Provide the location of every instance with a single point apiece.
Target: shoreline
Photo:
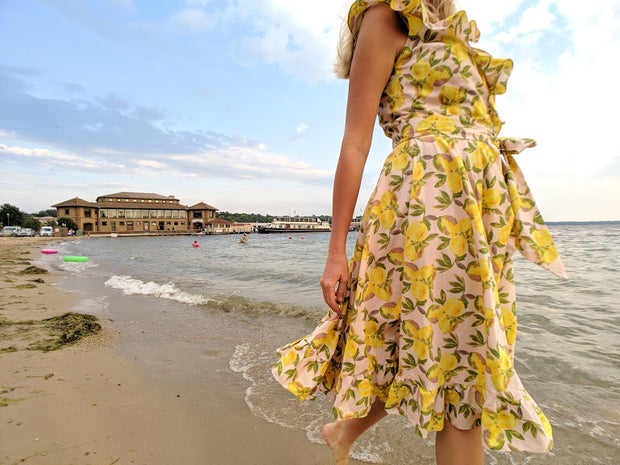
(91, 403)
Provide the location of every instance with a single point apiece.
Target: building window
(122, 223)
(87, 212)
(66, 211)
(197, 214)
(176, 223)
(145, 213)
(104, 223)
(121, 213)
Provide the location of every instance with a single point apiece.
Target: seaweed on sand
(66, 329)
(47, 335)
(33, 270)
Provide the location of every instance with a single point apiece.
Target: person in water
(422, 319)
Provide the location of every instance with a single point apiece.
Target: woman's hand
(334, 280)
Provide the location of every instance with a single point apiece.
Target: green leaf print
(477, 339)
(443, 200)
(444, 263)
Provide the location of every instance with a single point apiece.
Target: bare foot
(336, 438)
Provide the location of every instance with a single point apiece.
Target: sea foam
(132, 286)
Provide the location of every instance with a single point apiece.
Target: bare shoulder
(382, 16)
(381, 22)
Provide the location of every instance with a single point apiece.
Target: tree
(68, 222)
(30, 222)
(10, 215)
(244, 217)
(49, 212)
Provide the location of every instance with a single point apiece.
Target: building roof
(138, 195)
(75, 202)
(141, 205)
(202, 206)
(218, 221)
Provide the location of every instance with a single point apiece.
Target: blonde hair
(434, 11)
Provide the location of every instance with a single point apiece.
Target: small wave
(132, 286)
(225, 303)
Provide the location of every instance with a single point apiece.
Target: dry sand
(84, 404)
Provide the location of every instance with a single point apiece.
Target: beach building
(222, 226)
(135, 212)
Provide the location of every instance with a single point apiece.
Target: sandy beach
(85, 403)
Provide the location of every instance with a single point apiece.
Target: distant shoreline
(583, 222)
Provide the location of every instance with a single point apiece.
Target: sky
(234, 103)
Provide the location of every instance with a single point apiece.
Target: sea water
(263, 294)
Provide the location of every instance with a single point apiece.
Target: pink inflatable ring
(49, 251)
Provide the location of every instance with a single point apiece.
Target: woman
(422, 319)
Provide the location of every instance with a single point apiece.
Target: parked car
(25, 232)
(10, 230)
(46, 231)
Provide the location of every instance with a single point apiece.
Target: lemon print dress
(429, 321)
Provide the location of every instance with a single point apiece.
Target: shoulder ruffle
(457, 27)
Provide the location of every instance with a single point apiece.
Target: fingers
(331, 293)
(342, 287)
(328, 293)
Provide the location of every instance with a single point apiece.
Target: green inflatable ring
(72, 258)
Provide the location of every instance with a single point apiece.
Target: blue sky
(234, 102)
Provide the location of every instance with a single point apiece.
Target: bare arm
(380, 39)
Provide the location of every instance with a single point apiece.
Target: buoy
(195, 246)
(49, 251)
(73, 258)
(302, 237)
(290, 237)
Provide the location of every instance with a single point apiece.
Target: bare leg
(340, 435)
(459, 447)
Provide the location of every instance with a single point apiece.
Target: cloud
(192, 20)
(108, 135)
(250, 163)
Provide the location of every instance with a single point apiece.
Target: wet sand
(88, 403)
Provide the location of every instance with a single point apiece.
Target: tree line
(254, 217)
(10, 215)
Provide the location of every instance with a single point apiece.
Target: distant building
(135, 212)
(221, 226)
